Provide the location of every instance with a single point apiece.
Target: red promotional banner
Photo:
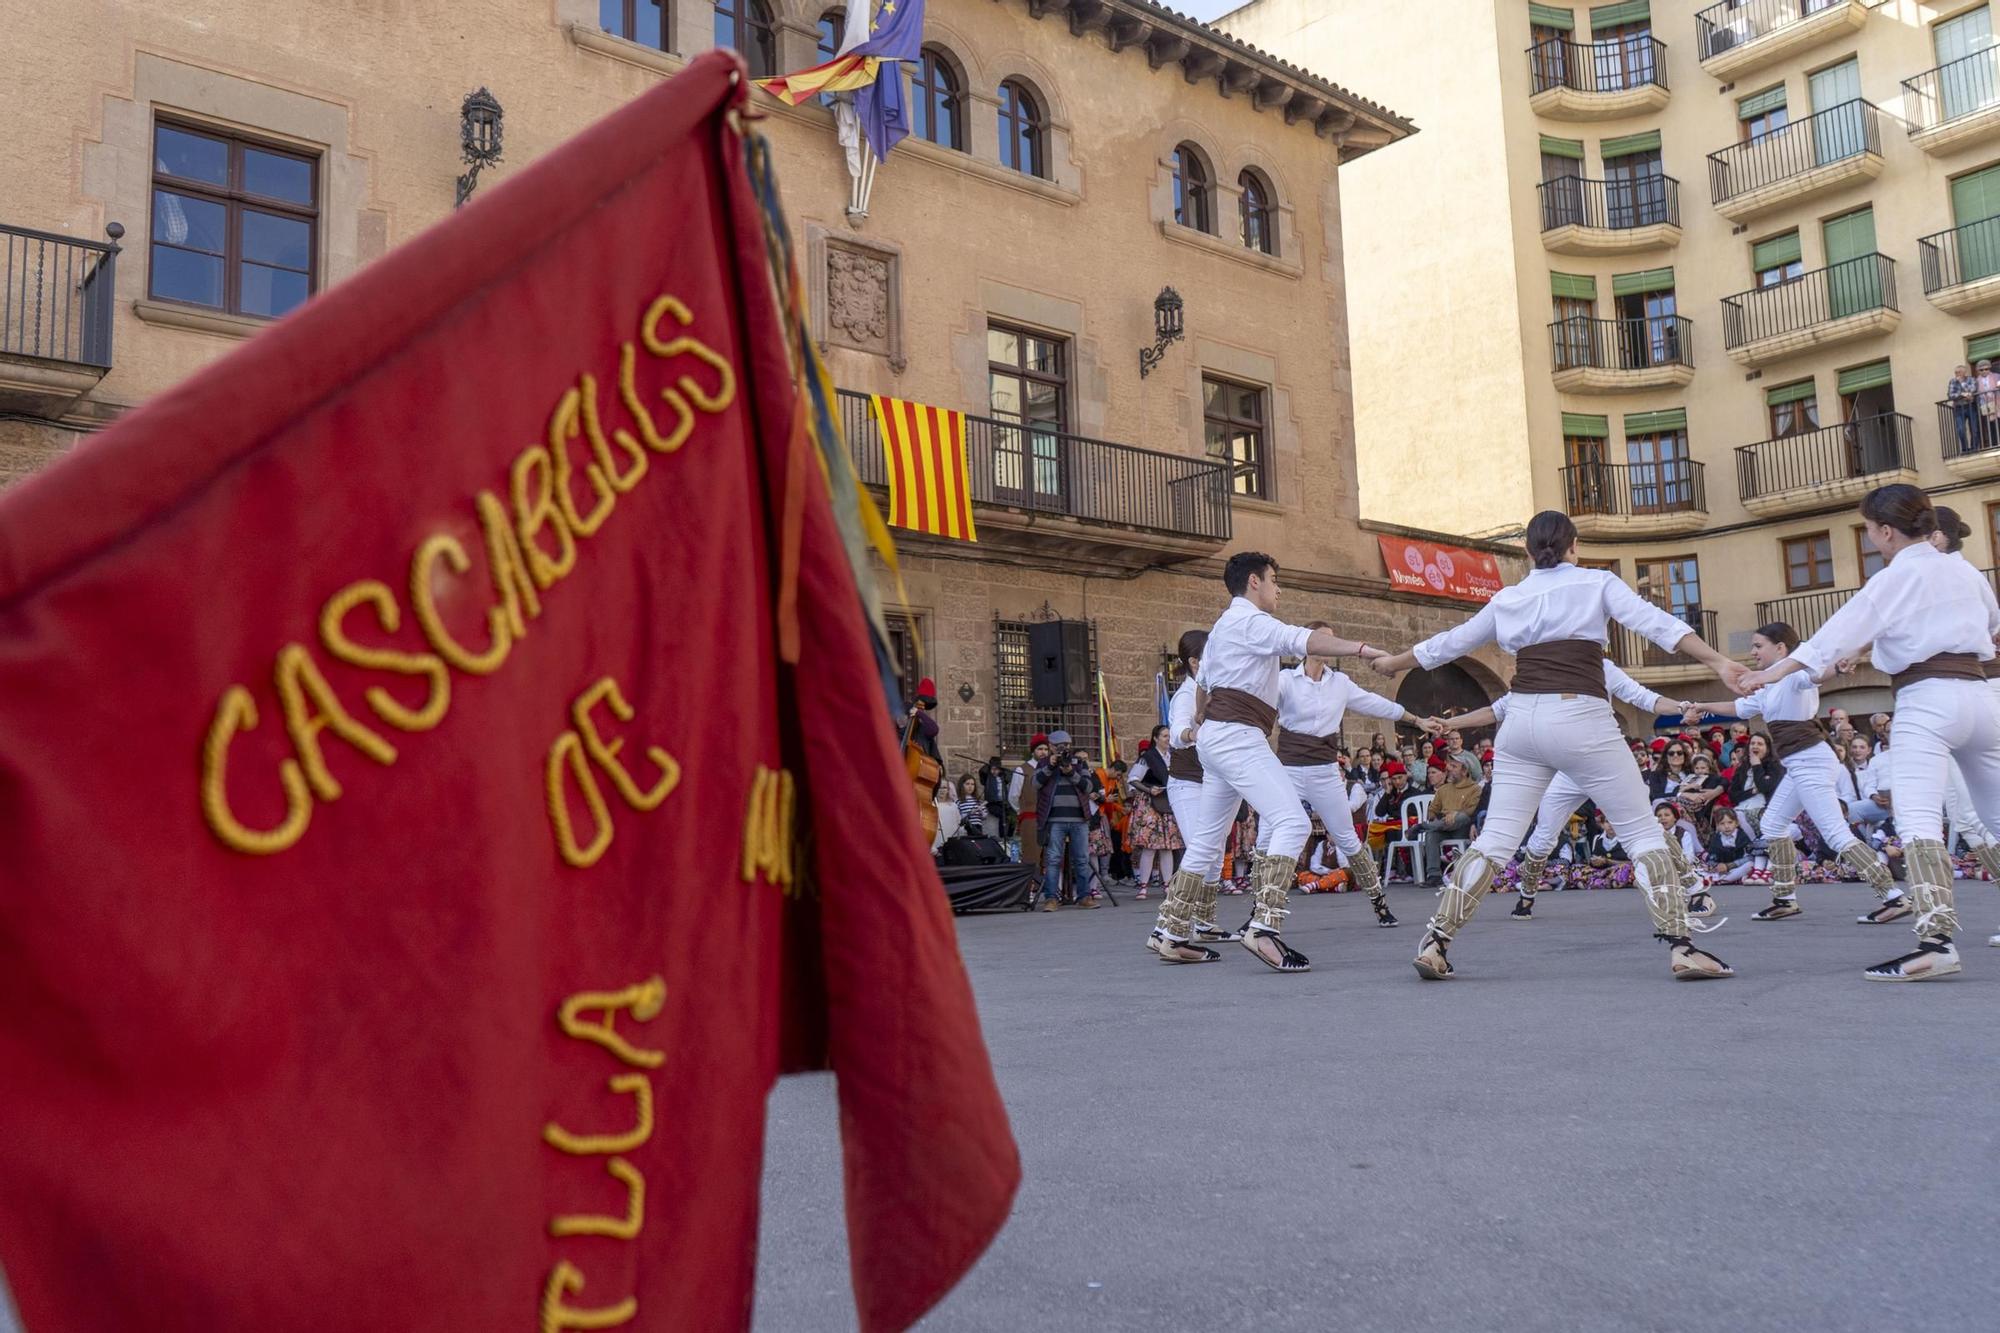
(1439, 571)
(416, 860)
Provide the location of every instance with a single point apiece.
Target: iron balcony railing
(1819, 297)
(1580, 342)
(1614, 66)
(1960, 255)
(1970, 425)
(1054, 472)
(1820, 140)
(1670, 486)
(1860, 448)
(1630, 649)
(1938, 96)
(1805, 612)
(1610, 205)
(1730, 24)
(56, 295)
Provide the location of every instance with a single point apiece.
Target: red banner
(1440, 571)
(418, 863)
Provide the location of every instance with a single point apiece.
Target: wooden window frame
(937, 74)
(629, 26)
(754, 22)
(1820, 576)
(1258, 470)
(1264, 214)
(1194, 190)
(235, 200)
(1023, 121)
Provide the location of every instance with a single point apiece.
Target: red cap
(927, 688)
(1393, 766)
(1039, 738)
(1436, 761)
(1145, 745)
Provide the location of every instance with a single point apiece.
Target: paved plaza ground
(1560, 1138)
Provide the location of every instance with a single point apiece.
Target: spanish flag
(930, 489)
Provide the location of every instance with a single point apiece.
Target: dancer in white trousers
(1790, 709)
(1565, 795)
(1931, 619)
(1958, 812)
(1312, 700)
(1184, 788)
(1238, 706)
(1559, 720)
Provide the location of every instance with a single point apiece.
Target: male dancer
(1239, 690)
(1312, 699)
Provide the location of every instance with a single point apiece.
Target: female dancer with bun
(1790, 709)
(1559, 720)
(1958, 812)
(1931, 620)
(1184, 787)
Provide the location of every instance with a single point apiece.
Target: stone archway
(1449, 688)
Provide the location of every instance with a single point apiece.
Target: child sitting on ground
(1731, 855)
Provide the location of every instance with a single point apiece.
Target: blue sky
(1204, 9)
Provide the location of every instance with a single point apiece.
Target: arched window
(1023, 131)
(746, 25)
(832, 28)
(1193, 194)
(1260, 228)
(937, 108)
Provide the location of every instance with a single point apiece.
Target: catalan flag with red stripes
(930, 489)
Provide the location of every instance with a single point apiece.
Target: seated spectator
(971, 808)
(1753, 779)
(1861, 788)
(1454, 748)
(1669, 771)
(1731, 854)
(1675, 824)
(1878, 727)
(1452, 807)
(1699, 792)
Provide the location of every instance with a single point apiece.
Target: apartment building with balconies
(1696, 273)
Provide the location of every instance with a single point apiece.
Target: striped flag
(929, 487)
(1160, 697)
(1104, 721)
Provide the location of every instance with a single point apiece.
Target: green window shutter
(1612, 16)
(1652, 280)
(1554, 147)
(1580, 286)
(1790, 393)
(1776, 252)
(1983, 348)
(1864, 377)
(1758, 103)
(1631, 143)
(1647, 423)
(1548, 16)
(1587, 427)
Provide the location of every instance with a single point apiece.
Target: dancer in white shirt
(1931, 620)
(1963, 820)
(1312, 699)
(1239, 683)
(1790, 709)
(1560, 721)
(1184, 787)
(1565, 796)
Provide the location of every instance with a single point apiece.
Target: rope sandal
(1433, 969)
(1383, 916)
(1288, 959)
(1691, 964)
(1180, 951)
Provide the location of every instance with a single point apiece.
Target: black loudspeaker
(972, 852)
(1059, 663)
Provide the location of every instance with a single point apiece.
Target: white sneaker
(1993, 940)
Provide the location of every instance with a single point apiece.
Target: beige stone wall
(1441, 422)
(1740, 553)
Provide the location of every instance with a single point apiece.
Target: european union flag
(898, 36)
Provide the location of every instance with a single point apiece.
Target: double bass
(925, 773)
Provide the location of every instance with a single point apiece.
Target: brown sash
(1568, 666)
(1184, 763)
(1298, 750)
(1227, 705)
(1944, 666)
(1788, 738)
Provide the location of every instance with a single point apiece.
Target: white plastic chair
(1410, 840)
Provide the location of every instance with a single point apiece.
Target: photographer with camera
(1064, 790)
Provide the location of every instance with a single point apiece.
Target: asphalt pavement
(1559, 1138)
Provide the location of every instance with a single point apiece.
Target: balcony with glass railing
(1033, 486)
(1664, 498)
(1608, 80)
(1956, 104)
(1833, 465)
(1608, 217)
(1621, 355)
(56, 301)
(1738, 37)
(1835, 304)
(1825, 151)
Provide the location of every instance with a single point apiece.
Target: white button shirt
(1549, 606)
(1795, 698)
(1314, 707)
(1180, 714)
(1922, 603)
(1621, 686)
(1244, 648)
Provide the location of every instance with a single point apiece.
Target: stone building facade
(1073, 159)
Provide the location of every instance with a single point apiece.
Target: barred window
(1018, 719)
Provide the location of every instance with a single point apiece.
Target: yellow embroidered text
(767, 827)
(566, 767)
